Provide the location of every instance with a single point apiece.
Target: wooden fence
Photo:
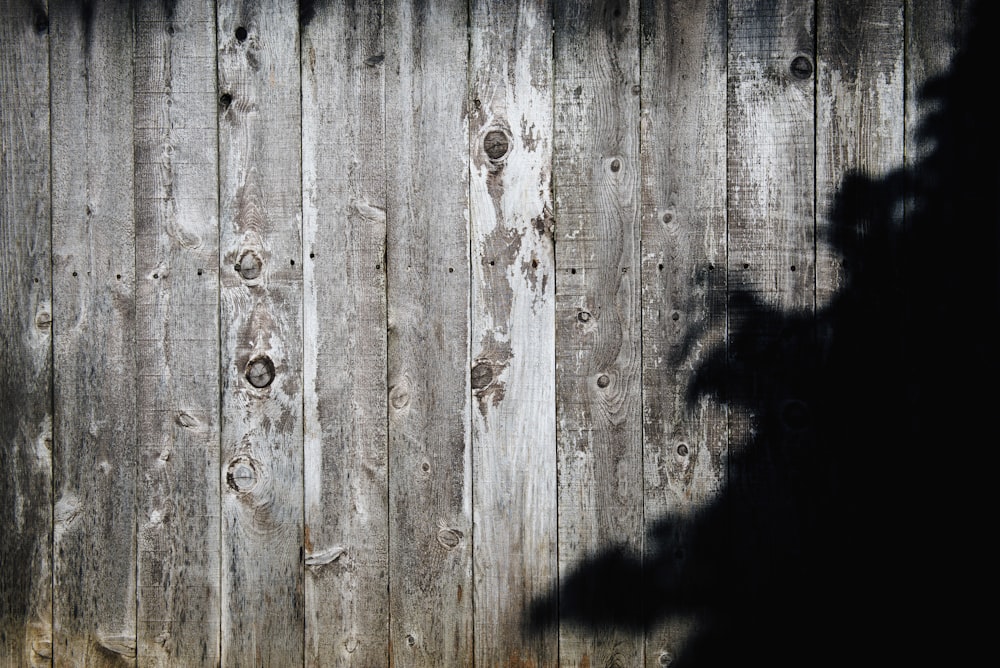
(342, 333)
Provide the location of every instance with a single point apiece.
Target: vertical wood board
(93, 234)
(683, 305)
(261, 333)
(513, 331)
(598, 336)
(430, 453)
(25, 339)
(177, 334)
(344, 326)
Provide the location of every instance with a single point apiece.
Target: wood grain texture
(93, 233)
(344, 324)
(513, 330)
(859, 111)
(25, 339)
(771, 289)
(934, 31)
(430, 454)
(683, 294)
(261, 333)
(598, 336)
(177, 340)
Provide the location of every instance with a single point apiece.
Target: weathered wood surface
(598, 336)
(177, 340)
(859, 111)
(94, 331)
(513, 323)
(260, 253)
(344, 325)
(25, 339)
(429, 392)
(434, 332)
(771, 263)
(683, 291)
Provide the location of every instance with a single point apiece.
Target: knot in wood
(482, 375)
(249, 266)
(801, 67)
(241, 475)
(260, 371)
(682, 450)
(583, 316)
(449, 538)
(616, 164)
(603, 380)
(496, 144)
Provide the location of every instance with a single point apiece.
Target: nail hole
(675, 316)
(660, 267)
(378, 266)
(572, 271)
(156, 275)
(199, 272)
(792, 267)
(241, 33)
(451, 269)
(118, 276)
(312, 255)
(293, 263)
(746, 265)
(74, 273)
(36, 280)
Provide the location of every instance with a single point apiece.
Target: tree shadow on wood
(852, 528)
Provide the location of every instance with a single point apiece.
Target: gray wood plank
(933, 36)
(344, 323)
(25, 333)
(430, 454)
(513, 330)
(94, 284)
(177, 340)
(261, 333)
(683, 300)
(771, 287)
(859, 111)
(598, 335)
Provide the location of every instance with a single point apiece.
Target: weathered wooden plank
(763, 522)
(859, 112)
(934, 31)
(177, 340)
(513, 330)
(598, 336)
(261, 332)
(683, 301)
(25, 333)
(430, 454)
(344, 190)
(93, 235)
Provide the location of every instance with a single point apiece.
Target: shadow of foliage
(852, 529)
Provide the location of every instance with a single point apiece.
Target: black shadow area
(856, 524)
